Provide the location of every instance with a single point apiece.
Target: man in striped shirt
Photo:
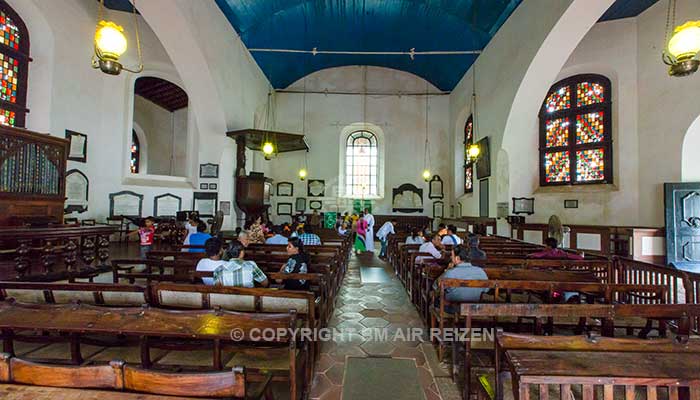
(308, 237)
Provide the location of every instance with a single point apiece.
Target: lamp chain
(138, 37)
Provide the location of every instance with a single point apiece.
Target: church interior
(350, 199)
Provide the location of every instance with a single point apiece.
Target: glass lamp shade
(268, 148)
(426, 175)
(302, 174)
(685, 42)
(110, 41)
(474, 152)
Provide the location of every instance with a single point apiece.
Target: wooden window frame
(467, 163)
(571, 113)
(22, 56)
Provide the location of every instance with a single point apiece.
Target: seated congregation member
(461, 268)
(257, 232)
(416, 237)
(383, 235)
(360, 228)
(214, 248)
(199, 238)
(451, 236)
(475, 253)
(343, 229)
(298, 263)
(442, 230)
(553, 252)
(239, 272)
(308, 237)
(278, 238)
(433, 247)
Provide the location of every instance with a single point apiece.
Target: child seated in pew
(238, 272)
(215, 251)
(451, 236)
(461, 268)
(199, 238)
(298, 263)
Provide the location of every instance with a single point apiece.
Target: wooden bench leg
(145, 352)
(75, 355)
(7, 343)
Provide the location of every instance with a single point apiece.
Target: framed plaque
(203, 186)
(315, 204)
(523, 205)
(77, 186)
(205, 203)
(285, 189)
(78, 146)
(167, 205)
(484, 198)
(300, 204)
(267, 192)
(438, 209)
(225, 207)
(208, 170)
(435, 188)
(407, 198)
(125, 203)
(570, 203)
(213, 186)
(284, 208)
(317, 188)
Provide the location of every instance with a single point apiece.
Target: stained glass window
(468, 165)
(581, 153)
(590, 165)
(588, 93)
(135, 153)
(558, 132)
(559, 99)
(14, 58)
(361, 158)
(557, 166)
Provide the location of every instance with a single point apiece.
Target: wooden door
(682, 211)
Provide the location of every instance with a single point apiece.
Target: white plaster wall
(166, 133)
(667, 108)
(66, 93)
(401, 118)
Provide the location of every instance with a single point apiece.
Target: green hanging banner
(329, 219)
(359, 206)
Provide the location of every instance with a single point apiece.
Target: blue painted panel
(627, 8)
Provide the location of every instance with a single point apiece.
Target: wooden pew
(121, 377)
(598, 361)
(151, 324)
(608, 312)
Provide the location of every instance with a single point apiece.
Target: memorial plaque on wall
(225, 207)
(317, 188)
(208, 170)
(125, 203)
(78, 146)
(205, 204)
(76, 192)
(166, 205)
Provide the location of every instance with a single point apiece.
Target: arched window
(14, 62)
(135, 153)
(468, 165)
(361, 156)
(575, 132)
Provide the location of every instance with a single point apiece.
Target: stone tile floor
(365, 311)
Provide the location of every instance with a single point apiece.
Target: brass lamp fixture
(111, 44)
(682, 49)
(426, 156)
(268, 146)
(474, 150)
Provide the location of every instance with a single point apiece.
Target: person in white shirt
(383, 235)
(215, 251)
(433, 248)
(416, 237)
(369, 236)
(451, 238)
(191, 227)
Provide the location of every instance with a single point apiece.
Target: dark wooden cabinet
(32, 177)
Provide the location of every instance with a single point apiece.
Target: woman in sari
(361, 231)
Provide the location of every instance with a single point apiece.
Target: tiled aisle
(361, 306)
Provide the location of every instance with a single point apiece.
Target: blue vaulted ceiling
(373, 26)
